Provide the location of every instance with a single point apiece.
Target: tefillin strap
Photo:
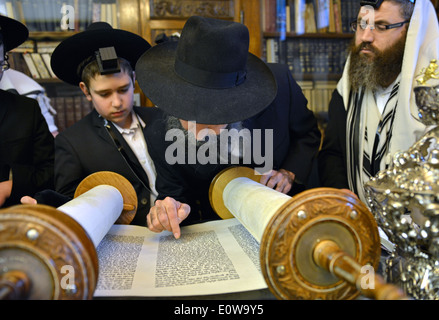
(124, 154)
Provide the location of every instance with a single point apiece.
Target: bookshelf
(49, 23)
(312, 37)
(60, 15)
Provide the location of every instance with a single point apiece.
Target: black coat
(332, 157)
(296, 143)
(26, 146)
(87, 147)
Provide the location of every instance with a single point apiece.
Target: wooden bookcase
(315, 52)
(147, 18)
(312, 37)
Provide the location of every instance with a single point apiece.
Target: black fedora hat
(13, 32)
(71, 52)
(208, 76)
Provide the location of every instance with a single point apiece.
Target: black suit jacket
(87, 147)
(26, 147)
(332, 157)
(296, 142)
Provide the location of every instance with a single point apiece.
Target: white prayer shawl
(421, 47)
(20, 83)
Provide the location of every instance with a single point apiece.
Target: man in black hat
(26, 144)
(208, 82)
(101, 61)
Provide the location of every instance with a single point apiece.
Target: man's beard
(376, 72)
(235, 148)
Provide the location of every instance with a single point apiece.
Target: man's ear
(84, 89)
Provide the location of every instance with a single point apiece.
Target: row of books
(70, 107)
(60, 15)
(69, 110)
(309, 55)
(34, 64)
(39, 65)
(309, 16)
(33, 58)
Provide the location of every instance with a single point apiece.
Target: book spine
(281, 19)
(60, 117)
(31, 66)
(69, 111)
(40, 65)
(300, 10)
(292, 8)
(46, 59)
(270, 15)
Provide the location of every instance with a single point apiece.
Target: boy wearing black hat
(101, 61)
(209, 81)
(26, 144)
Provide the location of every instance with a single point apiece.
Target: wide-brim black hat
(208, 76)
(14, 33)
(71, 52)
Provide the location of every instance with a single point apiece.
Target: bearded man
(372, 111)
(210, 89)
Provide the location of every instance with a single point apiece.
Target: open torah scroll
(210, 258)
(310, 246)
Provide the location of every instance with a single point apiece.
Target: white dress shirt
(136, 140)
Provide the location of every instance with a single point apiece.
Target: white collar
(136, 123)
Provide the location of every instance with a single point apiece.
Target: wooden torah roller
(320, 244)
(49, 253)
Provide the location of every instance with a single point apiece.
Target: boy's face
(112, 96)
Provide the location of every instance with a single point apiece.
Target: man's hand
(5, 191)
(28, 200)
(167, 215)
(281, 180)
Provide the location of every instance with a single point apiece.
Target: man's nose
(367, 34)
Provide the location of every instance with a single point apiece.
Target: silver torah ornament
(405, 201)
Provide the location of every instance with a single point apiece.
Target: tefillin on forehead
(107, 60)
(375, 3)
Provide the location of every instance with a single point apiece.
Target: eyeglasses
(362, 25)
(5, 64)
